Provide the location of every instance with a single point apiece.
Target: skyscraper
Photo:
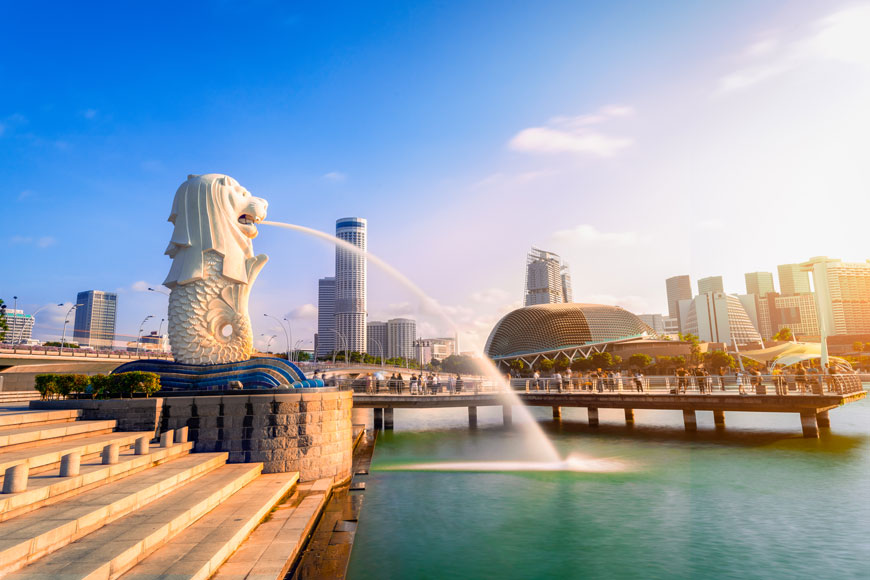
(759, 283)
(20, 326)
(350, 283)
(718, 317)
(548, 280)
(376, 339)
(679, 288)
(710, 284)
(95, 318)
(793, 279)
(401, 333)
(842, 295)
(325, 317)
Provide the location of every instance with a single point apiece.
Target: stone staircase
(14, 397)
(81, 500)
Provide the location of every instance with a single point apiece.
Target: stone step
(200, 549)
(117, 547)
(33, 436)
(29, 537)
(18, 396)
(10, 418)
(47, 455)
(275, 545)
(48, 488)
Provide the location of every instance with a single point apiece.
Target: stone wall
(131, 414)
(307, 430)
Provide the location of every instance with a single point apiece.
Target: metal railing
(80, 352)
(743, 384)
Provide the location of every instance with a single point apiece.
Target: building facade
(548, 280)
(719, 317)
(350, 283)
(377, 342)
(759, 283)
(842, 295)
(797, 313)
(679, 288)
(654, 321)
(95, 319)
(793, 279)
(20, 326)
(325, 337)
(401, 334)
(434, 348)
(710, 284)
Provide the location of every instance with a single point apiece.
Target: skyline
(666, 154)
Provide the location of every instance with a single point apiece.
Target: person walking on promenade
(758, 382)
(721, 373)
(458, 383)
(638, 381)
(370, 384)
(682, 379)
(738, 378)
(800, 378)
(568, 384)
(779, 382)
(557, 378)
(451, 385)
(536, 381)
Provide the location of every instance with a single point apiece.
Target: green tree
(582, 364)
(302, 355)
(719, 359)
(602, 360)
(640, 361)
(4, 327)
(695, 344)
(784, 334)
(518, 365)
(561, 364)
(546, 365)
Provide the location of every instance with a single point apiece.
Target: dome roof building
(572, 329)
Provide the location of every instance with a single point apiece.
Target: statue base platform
(255, 373)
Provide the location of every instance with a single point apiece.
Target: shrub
(101, 386)
(63, 384)
(125, 384)
(45, 385)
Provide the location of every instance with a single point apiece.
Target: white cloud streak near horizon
(575, 135)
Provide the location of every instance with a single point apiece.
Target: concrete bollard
(142, 445)
(70, 464)
(15, 479)
(110, 454)
(181, 435)
(166, 438)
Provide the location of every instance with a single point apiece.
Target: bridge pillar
(388, 419)
(719, 419)
(507, 413)
(472, 417)
(823, 420)
(629, 416)
(379, 418)
(809, 425)
(557, 413)
(592, 414)
(690, 420)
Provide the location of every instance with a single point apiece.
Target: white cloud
(41, 242)
(335, 177)
(89, 114)
(21, 240)
(841, 37)
(45, 241)
(586, 235)
(25, 194)
(574, 135)
(306, 311)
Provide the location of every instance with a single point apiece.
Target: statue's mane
(203, 222)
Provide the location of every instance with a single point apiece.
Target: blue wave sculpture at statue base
(255, 373)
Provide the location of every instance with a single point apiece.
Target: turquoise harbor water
(758, 501)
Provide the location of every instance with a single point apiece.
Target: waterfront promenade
(658, 393)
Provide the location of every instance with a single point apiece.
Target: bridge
(812, 405)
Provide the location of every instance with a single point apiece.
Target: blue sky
(640, 140)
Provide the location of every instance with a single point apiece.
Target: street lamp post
(380, 348)
(287, 338)
(33, 316)
(65, 322)
(346, 355)
(269, 342)
(159, 291)
(159, 336)
(139, 338)
(15, 316)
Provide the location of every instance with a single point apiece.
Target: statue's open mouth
(248, 224)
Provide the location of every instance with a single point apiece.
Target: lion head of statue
(212, 212)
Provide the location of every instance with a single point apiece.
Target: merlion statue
(213, 268)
